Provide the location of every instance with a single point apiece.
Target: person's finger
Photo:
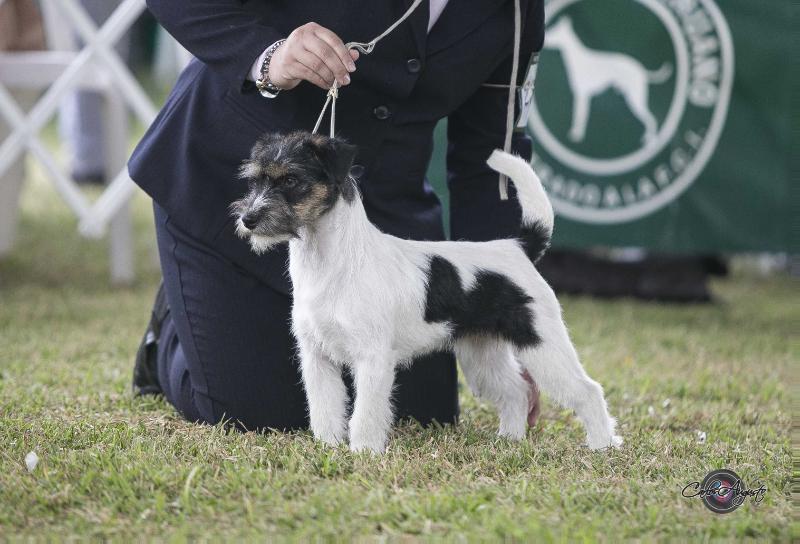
(338, 47)
(326, 53)
(354, 54)
(300, 71)
(317, 65)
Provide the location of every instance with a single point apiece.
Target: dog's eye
(289, 182)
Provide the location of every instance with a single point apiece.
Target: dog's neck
(339, 239)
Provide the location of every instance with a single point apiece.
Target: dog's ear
(336, 156)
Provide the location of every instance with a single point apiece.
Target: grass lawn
(113, 466)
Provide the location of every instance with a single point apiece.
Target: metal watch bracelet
(264, 85)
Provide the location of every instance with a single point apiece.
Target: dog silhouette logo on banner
(632, 97)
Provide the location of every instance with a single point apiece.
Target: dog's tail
(537, 212)
(661, 75)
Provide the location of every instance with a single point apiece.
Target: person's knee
(261, 413)
(247, 405)
(244, 417)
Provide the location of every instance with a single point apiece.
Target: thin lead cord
(503, 181)
(366, 49)
(333, 94)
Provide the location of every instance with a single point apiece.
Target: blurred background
(665, 146)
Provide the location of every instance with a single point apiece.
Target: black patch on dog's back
(493, 306)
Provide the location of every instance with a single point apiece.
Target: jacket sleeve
(474, 130)
(221, 33)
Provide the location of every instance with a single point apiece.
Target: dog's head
(293, 179)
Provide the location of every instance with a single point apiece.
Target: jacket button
(356, 171)
(413, 66)
(382, 113)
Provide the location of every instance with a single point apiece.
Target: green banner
(668, 124)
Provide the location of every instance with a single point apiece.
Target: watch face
(267, 89)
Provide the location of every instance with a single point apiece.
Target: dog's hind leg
(326, 394)
(372, 410)
(554, 366)
(494, 374)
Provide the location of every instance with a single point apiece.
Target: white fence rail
(96, 64)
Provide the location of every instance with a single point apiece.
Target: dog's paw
(369, 442)
(330, 441)
(331, 438)
(374, 449)
(614, 441)
(515, 432)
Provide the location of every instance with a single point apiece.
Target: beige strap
(512, 86)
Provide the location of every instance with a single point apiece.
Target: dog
(591, 73)
(373, 302)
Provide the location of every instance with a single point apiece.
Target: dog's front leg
(372, 412)
(326, 394)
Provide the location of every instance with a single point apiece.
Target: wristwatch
(264, 85)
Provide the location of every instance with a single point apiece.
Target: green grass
(113, 466)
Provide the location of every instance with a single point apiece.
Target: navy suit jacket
(188, 159)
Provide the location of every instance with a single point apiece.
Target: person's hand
(534, 408)
(314, 54)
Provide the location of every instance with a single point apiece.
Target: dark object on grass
(661, 278)
(145, 371)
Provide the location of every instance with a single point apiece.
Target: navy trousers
(226, 350)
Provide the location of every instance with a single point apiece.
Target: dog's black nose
(250, 220)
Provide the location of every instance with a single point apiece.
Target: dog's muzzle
(264, 223)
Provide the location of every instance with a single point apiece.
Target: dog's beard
(259, 243)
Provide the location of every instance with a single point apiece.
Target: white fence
(61, 69)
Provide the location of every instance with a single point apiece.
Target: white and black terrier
(373, 302)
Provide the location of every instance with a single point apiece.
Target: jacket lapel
(459, 18)
(417, 23)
